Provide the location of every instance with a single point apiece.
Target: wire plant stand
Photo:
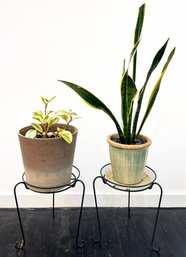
(148, 182)
(47, 190)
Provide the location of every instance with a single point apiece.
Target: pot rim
(129, 147)
(54, 138)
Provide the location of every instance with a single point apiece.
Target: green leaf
(139, 23)
(62, 114)
(46, 101)
(155, 90)
(72, 113)
(66, 135)
(52, 121)
(31, 133)
(137, 35)
(38, 115)
(37, 127)
(156, 60)
(49, 112)
(65, 117)
(128, 93)
(46, 118)
(153, 66)
(94, 102)
(52, 98)
(133, 52)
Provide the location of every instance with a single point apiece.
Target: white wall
(85, 41)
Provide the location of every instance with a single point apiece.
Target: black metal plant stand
(45, 190)
(147, 183)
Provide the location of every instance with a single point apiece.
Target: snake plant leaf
(156, 60)
(137, 35)
(87, 96)
(128, 93)
(153, 66)
(37, 127)
(133, 52)
(65, 134)
(155, 90)
(128, 87)
(94, 102)
(139, 23)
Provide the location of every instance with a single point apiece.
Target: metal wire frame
(128, 189)
(74, 180)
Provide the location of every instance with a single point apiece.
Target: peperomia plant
(47, 119)
(129, 130)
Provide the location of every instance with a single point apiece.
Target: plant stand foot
(20, 245)
(155, 248)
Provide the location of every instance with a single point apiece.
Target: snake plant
(129, 129)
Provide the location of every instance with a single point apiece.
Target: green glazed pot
(128, 161)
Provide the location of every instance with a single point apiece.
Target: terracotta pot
(128, 161)
(47, 161)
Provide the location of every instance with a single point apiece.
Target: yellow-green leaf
(37, 127)
(52, 121)
(38, 115)
(66, 135)
(31, 133)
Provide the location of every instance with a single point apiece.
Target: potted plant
(128, 148)
(48, 147)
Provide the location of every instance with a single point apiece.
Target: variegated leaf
(52, 121)
(37, 127)
(38, 115)
(31, 133)
(66, 135)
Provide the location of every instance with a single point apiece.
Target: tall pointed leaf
(153, 66)
(139, 23)
(155, 90)
(137, 35)
(94, 102)
(128, 93)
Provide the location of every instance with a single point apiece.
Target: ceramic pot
(47, 161)
(128, 161)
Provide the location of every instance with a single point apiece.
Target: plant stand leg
(53, 204)
(97, 240)
(128, 203)
(80, 245)
(20, 244)
(156, 248)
